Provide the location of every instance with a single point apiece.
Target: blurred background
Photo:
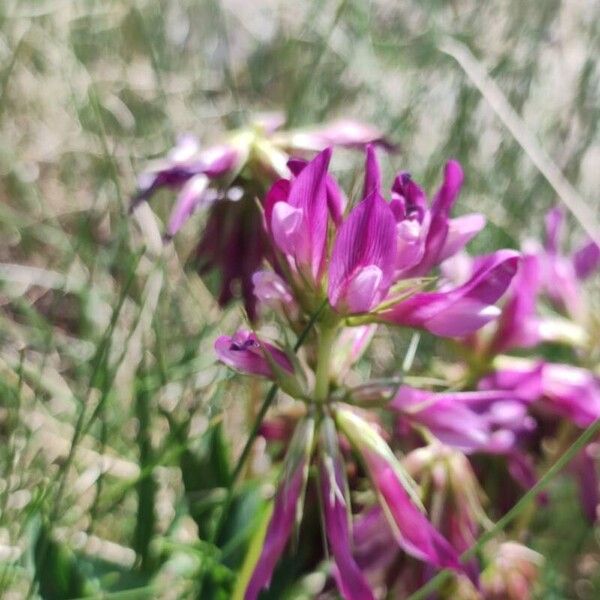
(107, 377)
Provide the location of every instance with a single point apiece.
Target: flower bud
(287, 508)
(397, 494)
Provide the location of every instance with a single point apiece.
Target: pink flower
(562, 273)
(428, 235)
(561, 389)
(519, 325)
(461, 310)
(188, 170)
(362, 261)
(344, 132)
(244, 352)
(298, 222)
(273, 292)
(487, 420)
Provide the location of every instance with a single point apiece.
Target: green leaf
(55, 567)
(254, 549)
(203, 471)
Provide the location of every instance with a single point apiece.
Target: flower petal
(460, 232)
(348, 576)
(440, 212)
(189, 200)
(462, 310)
(244, 352)
(365, 250)
(372, 184)
(586, 260)
(519, 326)
(287, 508)
(344, 132)
(308, 193)
(287, 227)
(336, 202)
(413, 532)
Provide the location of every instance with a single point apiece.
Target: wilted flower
(512, 573)
(228, 178)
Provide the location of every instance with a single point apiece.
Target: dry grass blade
(518, 128)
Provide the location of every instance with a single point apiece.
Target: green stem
(434, 583)
(324, 354)
(217, 532)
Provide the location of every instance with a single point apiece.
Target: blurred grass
(97, 421)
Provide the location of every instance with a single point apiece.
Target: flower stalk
(327, 337)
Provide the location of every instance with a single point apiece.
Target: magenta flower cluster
(330, 269)
(354, 269)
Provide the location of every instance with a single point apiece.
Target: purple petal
(171, 176)
(184, 162)
(448, 419)
(188, 202)
(411, 236)
(244, 352)
(464, 309)
(349, 347)
(308, 193)
(524, 380)
(286, 509)
(373, 540)
(561, 283)
(287, 227)
(571, 392)
(447, 194)
(372, 183)
(522, 469)
(271, 290)
(336, 202)
(344, 132)
(278, 192)
(414, 532)
(440, 212)
(586, 260)
(460, 232)
(216, 161)
(518, 326)
(568, 391)
(408, 199)
(363, 257)
(485, 420)
(348, 576)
